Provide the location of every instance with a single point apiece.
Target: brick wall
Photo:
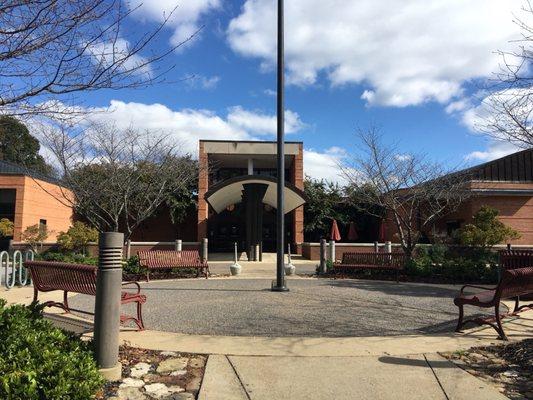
(298, 181)
(203, 187)
(36, 200)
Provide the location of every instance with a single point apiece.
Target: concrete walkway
(257, 368)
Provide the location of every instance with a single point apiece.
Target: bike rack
(16, 262)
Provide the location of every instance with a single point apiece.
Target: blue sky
(414, 68)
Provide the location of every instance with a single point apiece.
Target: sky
(417, 69)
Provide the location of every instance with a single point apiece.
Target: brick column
(298, 181)
(203, 185)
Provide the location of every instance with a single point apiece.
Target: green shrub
(78, 236)
(6, 227)
(456, 265)
(486, 230)
(132, 266)
(39, 361)
(73, 258)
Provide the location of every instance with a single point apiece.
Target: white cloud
(185, 20)
(187, 126)
(270, 92)
(107, 53)
(203, 82)
(263, 124)
(325, 165)
(494, 150)
(406, 52)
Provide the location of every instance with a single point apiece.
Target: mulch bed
(189, 379)
(507, 366)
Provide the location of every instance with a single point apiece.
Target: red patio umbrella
(352, 232)
(382, 231)
(335, 234)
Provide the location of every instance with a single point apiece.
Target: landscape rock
(169, 353)
(172, 364)
(196, 362)
(130, 393)
(130, 382)
(140, 369)
(179, 372)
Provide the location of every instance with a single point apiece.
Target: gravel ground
(313, 307)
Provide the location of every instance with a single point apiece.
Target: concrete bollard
(388, 247)
(322, 267)
(107, 304)
(178, 246)
(128, 249)
(376, 247)
(332, 251)
(204, 249)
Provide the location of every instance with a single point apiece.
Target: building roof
(10, 168)
(516, 167)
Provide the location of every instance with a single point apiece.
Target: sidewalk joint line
(436, 377)
(239, 378)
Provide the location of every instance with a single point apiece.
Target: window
(452, 226)
(42, 223)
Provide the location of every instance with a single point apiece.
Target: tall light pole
(279, 285)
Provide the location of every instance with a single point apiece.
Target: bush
(72, 258)
(77, 237)
(6, 227)
(474, 265)
(39, 361)
(132, 266)
(486, 230)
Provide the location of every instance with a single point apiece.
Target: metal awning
(230, 191)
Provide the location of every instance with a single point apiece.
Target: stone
(511, 373)
(140, 369)
(172, 364)
(180, 396)
(130, 382)
(151, 377)
(181, 372)
(130, 393)
(196, 362)
(169, 353)
(160, 390)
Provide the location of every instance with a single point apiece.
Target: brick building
(237, 194)
(505, 184)
(28, 199)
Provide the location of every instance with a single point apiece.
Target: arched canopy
(230, 191)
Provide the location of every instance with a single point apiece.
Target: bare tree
(114, 178)
(407, 188)
(51, 50)
(509, 109)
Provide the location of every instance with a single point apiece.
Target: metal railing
(12, 268)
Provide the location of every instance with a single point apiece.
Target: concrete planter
(290, 269)
(235, 269)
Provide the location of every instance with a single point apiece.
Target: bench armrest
(136, 284)
(476, 287)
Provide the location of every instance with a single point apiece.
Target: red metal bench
(48, 276)
(512, 259)
(371, 261)
(513, 284)
(169, 259)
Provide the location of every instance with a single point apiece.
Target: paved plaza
(312, 308)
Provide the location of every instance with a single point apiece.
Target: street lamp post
(279, 285)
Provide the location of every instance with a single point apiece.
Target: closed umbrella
(382, 231)
(352, 232)
(335, 234)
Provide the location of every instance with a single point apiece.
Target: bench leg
(147, 276)
(499, 322)
(206, 272)
(140, 322)
(35, 293)
(460, 320)
(516, 304)
(65, 302)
